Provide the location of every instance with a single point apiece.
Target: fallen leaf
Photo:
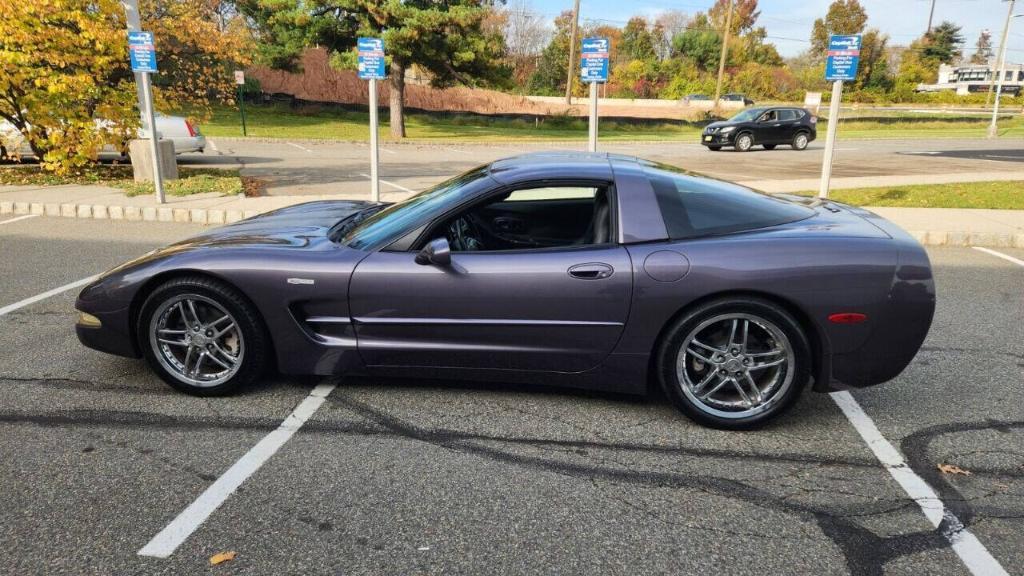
(222, 557)
(953, 469)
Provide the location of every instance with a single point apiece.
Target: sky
(789, 22)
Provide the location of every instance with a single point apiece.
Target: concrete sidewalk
(931, 226)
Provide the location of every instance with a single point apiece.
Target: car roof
(556, 164)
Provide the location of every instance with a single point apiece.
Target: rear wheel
(202, 337)
(800, 141)
(734, 363)
(769, 146)
(744, 142)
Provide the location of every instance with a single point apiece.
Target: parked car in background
(696, 98)
(184, 134)
(734, 97)
(767, 127)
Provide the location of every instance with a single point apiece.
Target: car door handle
(591, 271)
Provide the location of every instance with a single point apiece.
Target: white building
(976, 78)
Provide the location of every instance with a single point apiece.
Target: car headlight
(727, 129)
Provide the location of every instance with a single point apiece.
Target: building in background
(976, 78)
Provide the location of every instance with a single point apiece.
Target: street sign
(239, 77)
(371, 58)
(843, 58)
(594, 60)
(142, 51)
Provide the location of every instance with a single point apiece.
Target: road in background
(97, 455)
(307, 167)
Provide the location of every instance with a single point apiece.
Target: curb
(214, 216)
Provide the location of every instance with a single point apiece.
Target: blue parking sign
(594, 60)
(843, 58)
(142, 52)
(371, 58)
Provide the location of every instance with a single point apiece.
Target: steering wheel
(463, 235)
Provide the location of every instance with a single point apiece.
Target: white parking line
(1006, 257)
(392, 184)
(382, 149)
(971, 551)
(18, 219)
(213, 145)
(167, 541)
(29, 301)
(299, 147)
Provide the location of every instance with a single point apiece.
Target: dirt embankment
(319, 82)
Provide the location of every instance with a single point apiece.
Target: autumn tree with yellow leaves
(65, 80)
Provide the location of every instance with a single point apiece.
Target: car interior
(532, 218)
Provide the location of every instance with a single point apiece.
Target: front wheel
(735, 363)
(744, 142)
(800, 141)
(202, 337)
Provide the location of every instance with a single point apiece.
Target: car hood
(722, 124)
(292, 227)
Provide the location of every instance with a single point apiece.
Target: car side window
(768, 116)
(788, 115)
(693, 207)
(532, 218)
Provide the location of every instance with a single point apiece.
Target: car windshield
(747, 115)
(404, 216)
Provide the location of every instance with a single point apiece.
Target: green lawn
(315, 122)
(997, 195)
(190, 180)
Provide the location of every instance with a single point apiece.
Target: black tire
(251, 336)
(769, 146)
(714, 148)
(744, 142)
(791, 375)
(801, 141)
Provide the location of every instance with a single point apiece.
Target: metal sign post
(371, 67)
(593, 69)
(842, 63)
(143, 58)
(240, 81)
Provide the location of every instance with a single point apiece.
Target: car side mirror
(437, 252)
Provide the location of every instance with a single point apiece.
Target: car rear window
(694, 207)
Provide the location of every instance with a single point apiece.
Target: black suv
(768, 127)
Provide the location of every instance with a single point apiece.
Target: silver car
(184, 134)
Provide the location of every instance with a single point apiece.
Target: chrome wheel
(800, 142)
(744, 142)
(196, 340)
(735, 365)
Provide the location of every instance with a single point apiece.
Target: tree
(873, 72)
(549, 78)
(446, 39)
(844, 17)
(744, 15)
(983, 49)
(943, 44)
(700, 43)
(637, 41)
(65, 81)
(669, 23)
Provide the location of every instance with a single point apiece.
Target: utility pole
(993, 129)
(572, 52)
(931, 15)
(721, 60)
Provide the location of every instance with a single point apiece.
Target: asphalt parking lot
(312, 167)
(97, 456)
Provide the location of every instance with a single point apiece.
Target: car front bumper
(718, 139)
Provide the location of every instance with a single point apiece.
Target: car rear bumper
(189, 144)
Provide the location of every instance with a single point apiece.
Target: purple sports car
(587, 270)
